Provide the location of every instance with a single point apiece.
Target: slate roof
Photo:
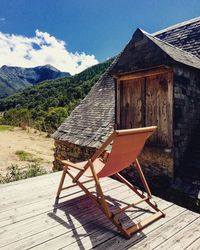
(91, 121)
(176, 53)
(185, 35)
(146, 51)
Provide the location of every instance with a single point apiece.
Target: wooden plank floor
(28, 219)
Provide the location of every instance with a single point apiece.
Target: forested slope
(47, 104)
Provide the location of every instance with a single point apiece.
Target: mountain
(15, 79)
(48, 103)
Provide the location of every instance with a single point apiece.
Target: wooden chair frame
(100, 201)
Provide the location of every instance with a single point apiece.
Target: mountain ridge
(14, 79)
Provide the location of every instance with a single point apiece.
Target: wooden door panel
(157, 108)
(131, 99)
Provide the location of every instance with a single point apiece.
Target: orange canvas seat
(126, 147)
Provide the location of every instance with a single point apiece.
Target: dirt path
(29, 140)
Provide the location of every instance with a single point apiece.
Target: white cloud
(16, 50)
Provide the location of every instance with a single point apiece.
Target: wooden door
(147, 101)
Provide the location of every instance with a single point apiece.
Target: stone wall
(157, 165)
(186, 114)
(75, 153)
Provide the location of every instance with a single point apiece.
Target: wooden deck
(29, 220)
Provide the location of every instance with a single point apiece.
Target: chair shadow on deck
(82, 219)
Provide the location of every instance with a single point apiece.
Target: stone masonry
(186, 116)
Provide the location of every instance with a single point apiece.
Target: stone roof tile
(187, 33)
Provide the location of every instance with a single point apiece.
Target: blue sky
(96, 27)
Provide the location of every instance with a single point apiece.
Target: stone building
(154, 81)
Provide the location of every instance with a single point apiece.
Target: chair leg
(61, 182)
(144, 182)
(100, 192)
(104, 205)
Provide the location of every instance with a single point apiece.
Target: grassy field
(6, 128)
(24, 153)
(26, 156)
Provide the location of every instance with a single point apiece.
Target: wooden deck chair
(126, 147)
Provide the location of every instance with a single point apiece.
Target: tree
(17, 117)
(54, 118)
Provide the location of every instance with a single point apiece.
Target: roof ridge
(169, 44)
(175, 26)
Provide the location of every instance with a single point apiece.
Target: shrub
(14, 173)
(34, 170)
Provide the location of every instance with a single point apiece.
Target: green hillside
(47, 104)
